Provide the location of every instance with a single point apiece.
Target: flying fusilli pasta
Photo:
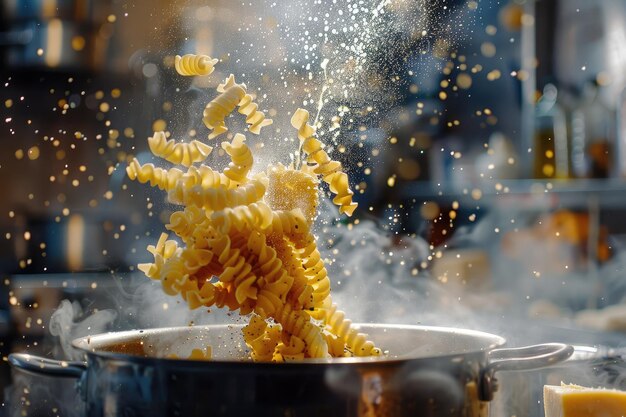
(231, 96)
(246, 240)
(181, 153)
(330, 171)
(190, 64)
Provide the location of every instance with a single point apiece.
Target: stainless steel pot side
(428, 371)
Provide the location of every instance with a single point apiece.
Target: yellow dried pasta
(355, 342)
(246, 241)
(205, 177)
(262, 338)
(241, 159)
(254, 118)
(315, 271)
(217, 198)
(330, 170)
(232, 95)
(190, 64)
(186, 221)
(157, 177)
(220, 107)
(259, 216)
(178, 152)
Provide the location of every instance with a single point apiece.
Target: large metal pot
(428, 371)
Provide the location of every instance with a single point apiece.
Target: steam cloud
(68, 322)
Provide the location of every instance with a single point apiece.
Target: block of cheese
(576, 401)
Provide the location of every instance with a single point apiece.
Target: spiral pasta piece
(269, 267)
(184, 222)
(219, 108)
(163, 250)
(338, 184)
(174, 280)
(336, 346)
(300, 293)
(290, 351)
(157, 177)
(355, 342)
(233, 95)
(236, 268)
(206, 295)
(175, 266)
(316, 273)
(262, 338)
(298, 323)
(190, 64)
(217, 198)
(205, 177)
(178, 152)
(172, 267)
(328, 169)
(241, 159)
(195, 258)
(254, 118)
(300, 121)
(259, 216)
(209, 295)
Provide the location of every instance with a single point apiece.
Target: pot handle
(48, 367)
(520, 359)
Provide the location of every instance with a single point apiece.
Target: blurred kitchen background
(491, 132)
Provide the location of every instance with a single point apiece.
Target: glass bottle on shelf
(592, 135)
(551, 156)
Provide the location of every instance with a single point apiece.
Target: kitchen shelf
(579, 193)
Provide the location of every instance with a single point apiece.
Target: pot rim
(85, 344)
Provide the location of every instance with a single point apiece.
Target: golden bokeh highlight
(78, 43)
(33, 153)
(159, 125)
(464, 81)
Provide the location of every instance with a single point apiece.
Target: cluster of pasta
(244, 239)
